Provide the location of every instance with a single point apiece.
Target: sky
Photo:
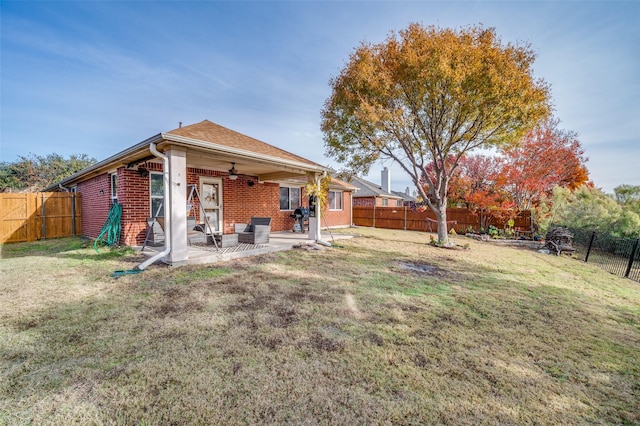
(97, 77)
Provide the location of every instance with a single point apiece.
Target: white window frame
(338, 195)
(113, 187)
(290, 207)
(385, 202)
(156, 197)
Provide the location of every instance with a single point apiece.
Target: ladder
(193, 192)
(150, 222)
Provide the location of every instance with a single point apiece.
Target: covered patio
(278, 241)
(236, 179)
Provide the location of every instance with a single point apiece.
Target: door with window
(211, 201)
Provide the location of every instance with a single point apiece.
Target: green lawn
(384, 330)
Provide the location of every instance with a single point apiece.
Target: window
(335, 200)
(114, 188)
(385, 202)
(156, 191)
(289, 198)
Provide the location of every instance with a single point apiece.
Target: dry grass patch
(341, 336)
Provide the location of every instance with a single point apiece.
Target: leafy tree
(548, 156)
(589, 209)
(36, 172)
(475, 185)
(430, 94)
(629, 196)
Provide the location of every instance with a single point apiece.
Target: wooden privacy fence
(411, 220)
(36, 216)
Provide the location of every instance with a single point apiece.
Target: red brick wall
(243, 199)
(364, 201)
(339, 217)
(133, 194)
(375, 201)
(95, 204)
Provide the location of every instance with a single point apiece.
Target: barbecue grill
(301, 215)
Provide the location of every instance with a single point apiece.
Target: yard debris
(559, 240)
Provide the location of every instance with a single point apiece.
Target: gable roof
(210, 138)
(370, 189)
(207, 131)
(405, 196)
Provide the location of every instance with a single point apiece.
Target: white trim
(219, 207)
(299, 197)
(156, 197)
(341, 197)
(111, 186)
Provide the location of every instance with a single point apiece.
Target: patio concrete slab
(278, 241)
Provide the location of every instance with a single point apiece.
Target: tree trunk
(443, 234)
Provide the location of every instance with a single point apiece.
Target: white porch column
(177, 205)
(314, 222)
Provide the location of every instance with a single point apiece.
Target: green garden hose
(110, 234)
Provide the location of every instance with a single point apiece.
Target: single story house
(370, 194)
(236, 176)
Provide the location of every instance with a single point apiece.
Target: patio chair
(257, 232)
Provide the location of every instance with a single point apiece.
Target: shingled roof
(370, 189)
(206, 131)
(205, 136)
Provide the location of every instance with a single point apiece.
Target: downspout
(63, 188)
(167, 212)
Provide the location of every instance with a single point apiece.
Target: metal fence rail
(619, 256)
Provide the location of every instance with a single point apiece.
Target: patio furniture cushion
(256, 232)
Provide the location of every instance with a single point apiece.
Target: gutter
(106, 162)
(167, 209)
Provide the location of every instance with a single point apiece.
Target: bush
(588, 209)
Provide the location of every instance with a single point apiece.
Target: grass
(342, 336)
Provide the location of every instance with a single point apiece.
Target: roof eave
(106, 163)
(213, 147)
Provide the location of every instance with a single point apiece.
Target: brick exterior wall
(375, 201)
(95, 204)
(336, 218)
(242, 199)
(364, 201)
(133, 194)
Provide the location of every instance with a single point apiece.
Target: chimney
(407, 191)
(386, 180)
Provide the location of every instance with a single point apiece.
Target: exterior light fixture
(233, 173)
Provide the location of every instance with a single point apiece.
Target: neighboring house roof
(405, 197)
(370, 189)
(217, 142)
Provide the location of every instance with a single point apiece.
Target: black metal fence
(620, 256)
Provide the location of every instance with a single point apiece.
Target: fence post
(593, 236)
(633, 254)
(44, 218)
(374, 212)
(405, 218)
(73, 214)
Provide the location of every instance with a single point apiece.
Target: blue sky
(97, 77)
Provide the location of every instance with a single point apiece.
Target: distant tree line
(36, 172)
(589, 209)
